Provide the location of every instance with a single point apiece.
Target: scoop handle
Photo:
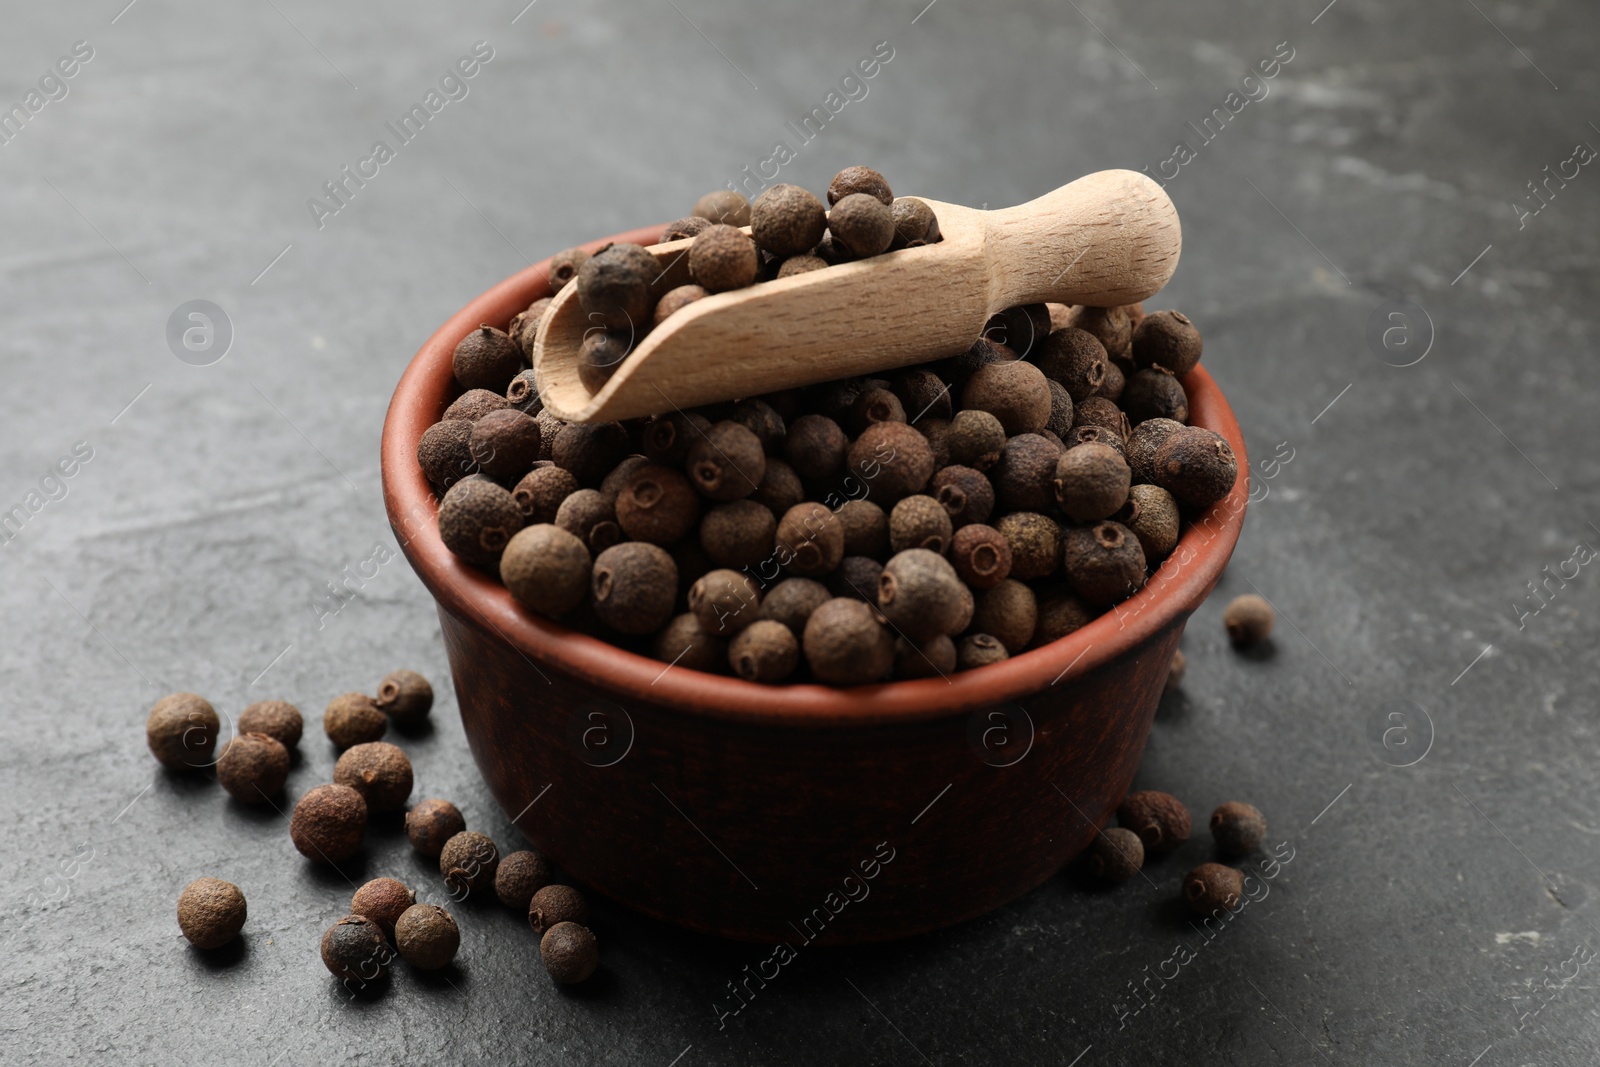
(1107, 239)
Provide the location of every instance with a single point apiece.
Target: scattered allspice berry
(1160, 820)
(329, 823)
(427, 937)
(379, 771)
(519, 876)
(569, 952)
(1212, 888)
(355, 950)
(430, 823)
(182, 731)
(405, 696)
(1237, 828)
(353, 719)
(1116, 854)
(1248, 619)
(725, 206)
(634, 587)
(488, 359)
(546, 569)
(476, 519)
(765, 651)
(211, 912)
(467, 862)
(1175, 671)
(383, 900)
(723, 258)
(845, 644)
(552, 904)
(787, 220)
(275, 718)
(564, 267)
(253, 768)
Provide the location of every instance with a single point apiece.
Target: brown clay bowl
(801, 812)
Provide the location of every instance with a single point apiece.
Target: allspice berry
(1160, 819)
(922, 393)
(866, 528)
(765, 651)
(920, 594)
(657, 504)
(763, 420)
(1196, 466)
(1152, 515)
(1060, 613)
(554, 904)
(590, 450)
(1074, 358)
(601, 353)
(486, 359)
(724, 206)
(674, 300)
(1104, 563)
(430, 823)
(815, 447)
(1112, 327)
(682, 643)
(786, 220)
(1097, 435)
(667, 438)
(476, 519)
(915, 224)
(1248, 619)
(1175, 672)
(800, 265)
(738, 534)
(1098, 411)
(1061, 411)
(862, 224)
(445, 453)
(893, 459)
(1167, 339)
(564, 267)
(427, 937)
(540, 492)
(1143, 443)
(1035, 542)
(379, 771)
(965, 494)
(873, 405)
(505, 443)
(634, 586)
(979, 650)
(1237, 828)
(683, 229)
(724, 602)
(1116, 854)
(920, 522)
(468, 862)
(355, 950)
(353, 719)
(980, 555)
(1154, 393)
(570, 953)
(723, 258)
(546, 569)
(1091, 482)
(856, 576)
(1115, 382)
(383, 900)
(211, 912)
(1023, 478)
(614, 287)
(253, 768)
(329, 823)
(792, 602)
(859, 179)
(1021, 329)
(1213, 888)
(975, 439)
(810, 540)
(182, 731)
(727, 461)
(405, 696)
(473, 405)
(590, 516)
(1016, 393)
(519, 876)
(845, 644)
(1008, 612)
(780, 488)
(275, 718)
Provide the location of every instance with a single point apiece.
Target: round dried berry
(800, 265)
(674, 300)
(965, 494)
(540, 492)
(1237, 828)
(792, 602)
(430, 823)
(1248, 619)
(329, 823)
(564, 267)
(634, 586)
(486, 359)
(765, 651)
(1213, 889)
(975, 440)
(657, 505)
(211, 912)
(683, 643)
(1016, 393)
(667, 438)
(383, 900)
(919, 522)
(1112, 327)
(427, 937)
(1167, 339)
(1143, 443)
(379, 771)
(554, 904)
(1116, 854)
(1115, 383)
(780, 488)
(1060, 613)
(473, 405)
(1075, 359)
(468, 862)
(524, 330)
(893, 459)
(723, 258)
(727, 461)
(519, 876)
(1160, 820)
(1104, 563)
(920, 594)
(445, 453)
(725, 602)
(569, 952)
(600, 356)
(590, 450)
(738, 534)
(253, 768)
(724, 206)
(845, 644)
(1009, 613)
(1060, 420)
(404, 696)
(979, 650)
(275, 718)
(1174, 672)
(816, 447)
(589, 516)
(874, 405)
(856, 576)
(859, 179)
(683, 229)
(786, 220)
(862, 224)
(810, 540)
(1155, 394)
(1023, 477)
(915, 224)
(1096, 435)
(614, 287)
(1098, 411)
(476, 519)
(353, 719)
(355, 950)
(1196, 466)
(763, 420)
(504, 443)
(182, 731)
(866, 528)
(1091, 482)
(1152, 515)
(1035, 542)
(980, 555)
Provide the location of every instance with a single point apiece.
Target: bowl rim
(1172, 593)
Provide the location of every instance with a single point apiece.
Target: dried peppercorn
(1116, 854)
(430, 823)
(569, 952)
(634, 586)
(182, 731)
(816, 447)
(780, 488)
(1060, 613)
(427, 937)
(1091, 482)
(549, 427)
(683, 229)
(383, 900)
(1155, 394)
(276, 718)
(612, 484)
(405, 696)
(1212, 889)
(1112, 327)
(923, 394)
(980, 555)
(723, 258)
(1143, 443)
(1008, 612)
(862, 223)
(863, 180)
(1115, 383)
(601, 355)
(979, 650)
(1152, 515)
(1237, 828)
(875, 405)
(1169, 340)
(1098, 411)
(445, 453)
(844, 643)
(920, 594)
(540, 492)
(590, 450)
(474, 404)
(476, 519)
(738, 534)
(668, 438)
(683, 643)
(355, 950)
(1104, 563)
(725, 206)
(675, 300)
(253, 768)
(504, 443)
(856, 576)
(964, 493)
(786, 220)
(765, 651)
(614, 287)
(1060, 420)
(1016, 393)
(803, 264)
(1097, 435)
(724, 601)
(935, 657)
(564, 267)
(1196, 466)
(377, 770)
(1076, 359)
(1020, 328)
(727, 461)
(1022, 478)
(810, 540)
(328, 823)
(1035, 542)
(519, 876)
(468, 862)
(919, 521)
(211, 912)
(1248, 619)
(893, 458)
(486, 358)
(915, 224)
(590, 517)
(866, 528)
(554, 904)
(657, 505)
(792, 601)
(976, 439)
(353, 719)
(1160, 819)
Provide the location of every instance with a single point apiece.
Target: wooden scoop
(1107, 239)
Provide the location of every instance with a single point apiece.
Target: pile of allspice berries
(937, 518)
(329, 823)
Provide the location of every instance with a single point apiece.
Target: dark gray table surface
(1439, 913)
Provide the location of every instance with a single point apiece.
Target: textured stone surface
(1428, 915)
